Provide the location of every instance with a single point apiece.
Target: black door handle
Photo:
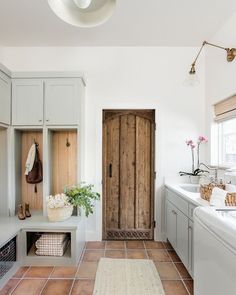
(110, 170)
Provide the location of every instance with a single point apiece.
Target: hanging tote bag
(36, 174)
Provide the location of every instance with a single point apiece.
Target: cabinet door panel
(182, 237)
(171, 223)
(190, 247)
(5, 99)
(62, 101)
(27, 102)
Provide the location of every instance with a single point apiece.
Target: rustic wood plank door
(128, 174)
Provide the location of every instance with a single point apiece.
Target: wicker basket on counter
(206, 191)
(230, 199)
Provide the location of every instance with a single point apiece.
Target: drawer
(191, 208)
(175, 199)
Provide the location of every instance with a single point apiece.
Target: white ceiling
(135, 23)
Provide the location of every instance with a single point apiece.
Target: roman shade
(225, 109)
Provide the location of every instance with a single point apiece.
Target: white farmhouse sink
(191, 188)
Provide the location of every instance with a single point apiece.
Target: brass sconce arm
(231, 53)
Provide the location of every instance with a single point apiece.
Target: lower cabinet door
(190, 248)
(182, 237)
(171, 223)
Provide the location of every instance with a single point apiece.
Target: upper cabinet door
(5, 99)
(27, 102)
(62, 98)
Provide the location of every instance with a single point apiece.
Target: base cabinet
(171, 223)
(179, 227)
(190, 247)
(182, 238)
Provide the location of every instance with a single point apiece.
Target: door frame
(151, 117)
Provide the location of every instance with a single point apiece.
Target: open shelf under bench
(74, 227)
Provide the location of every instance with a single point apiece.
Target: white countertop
(194, 198)
(10, 226)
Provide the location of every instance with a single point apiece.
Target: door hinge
(155, 175)
(154, 223)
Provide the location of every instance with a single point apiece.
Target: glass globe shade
(83, 4)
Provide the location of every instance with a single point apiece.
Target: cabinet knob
(47, 120)
(174, 212)
(40, 120)
(190, 227)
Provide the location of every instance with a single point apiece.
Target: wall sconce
(231, 53)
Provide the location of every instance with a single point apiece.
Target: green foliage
(82, 196)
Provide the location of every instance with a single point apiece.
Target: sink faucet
(211, 168)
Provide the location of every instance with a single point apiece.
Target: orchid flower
(202, 138)
(192, 145)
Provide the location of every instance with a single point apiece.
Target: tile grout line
(78, 266)
(20, 280)
(15, 286)
(105, 248)
(126, 254)
(181, 279)
(174, 263)
(186, 287)
(145, 248)
(47, 280)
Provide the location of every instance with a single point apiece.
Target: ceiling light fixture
(82, 4)
(83, 13)
(231, 53)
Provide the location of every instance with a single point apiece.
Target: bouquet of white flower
(58, 201)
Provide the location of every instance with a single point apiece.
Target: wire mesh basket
(7, 257)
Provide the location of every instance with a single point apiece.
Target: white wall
(220, 74)
(1, 53)
(129, 78)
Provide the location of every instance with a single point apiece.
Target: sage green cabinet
(5, 99)
(179, 227)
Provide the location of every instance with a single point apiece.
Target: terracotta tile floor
(80, 280)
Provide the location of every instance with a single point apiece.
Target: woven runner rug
(127, 277)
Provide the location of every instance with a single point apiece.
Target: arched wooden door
(128, 174)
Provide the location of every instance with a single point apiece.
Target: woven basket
(230, 199)
(206, 190)
(59, 214)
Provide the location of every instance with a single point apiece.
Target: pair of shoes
(21, 214)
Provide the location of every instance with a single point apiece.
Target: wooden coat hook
(35, 142)
(67, 143)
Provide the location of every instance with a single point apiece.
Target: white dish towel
(30, 159)
(218, 197)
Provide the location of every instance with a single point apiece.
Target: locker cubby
(25, 192)
(63, 159)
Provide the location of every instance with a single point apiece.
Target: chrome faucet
(211, 168)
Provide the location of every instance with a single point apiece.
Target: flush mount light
(231, 53)
(83, 13)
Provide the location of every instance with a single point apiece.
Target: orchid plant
(201, 139)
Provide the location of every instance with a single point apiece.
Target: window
(227, 142)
